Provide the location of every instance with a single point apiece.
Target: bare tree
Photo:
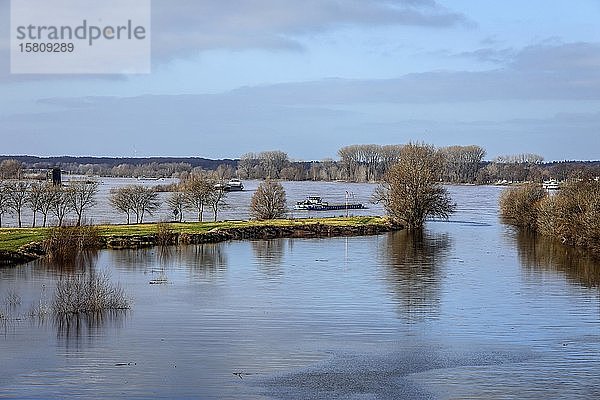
(82, 197)
(197, 190)
(411, 191)
(390, 155)
(145, 201)
(246, 165)
(4, 200)
(47, 194)
(138, 200)
(216, 200)
(36, 199)
(122, 199)
(462, 163)
(177, 203)
(60, 203)
(11, 169)
(19, 194)
(350, 160)
(268, 202)
(273, 162)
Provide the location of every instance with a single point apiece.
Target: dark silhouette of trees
(268, 202)
(411, 189)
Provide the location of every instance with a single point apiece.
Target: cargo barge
(316, 203)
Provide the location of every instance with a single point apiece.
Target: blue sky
(308, 77)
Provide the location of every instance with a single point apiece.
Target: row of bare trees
(17, 196)
(370, 162)
(195, 193)
(267, 164)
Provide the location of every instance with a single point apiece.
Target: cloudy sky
(308, 77)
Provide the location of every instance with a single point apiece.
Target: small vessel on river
(316, 203)
(234, 185)
(551, 185)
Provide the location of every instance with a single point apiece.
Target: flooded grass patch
(88, 294)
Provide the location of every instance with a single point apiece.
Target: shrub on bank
(576, 212)
(572, 215)
(65, 244)
(520, 205)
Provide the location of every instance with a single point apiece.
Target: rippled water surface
(469, 309)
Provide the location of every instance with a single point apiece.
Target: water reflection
(541, 253)
(204, 260)
(269, 255)
(413, 271)
(75, 330)
(84, 262)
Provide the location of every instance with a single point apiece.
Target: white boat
(234, 185)
(552, 184)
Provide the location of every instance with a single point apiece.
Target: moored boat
(316, 203)
(234, 185)
(552, 184)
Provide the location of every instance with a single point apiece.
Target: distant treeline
(357, 163)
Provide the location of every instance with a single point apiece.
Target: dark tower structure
(56, 176)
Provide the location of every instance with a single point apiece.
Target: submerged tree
(411, 189)
(268, 202)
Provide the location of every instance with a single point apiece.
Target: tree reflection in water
(76, 330)
(539, 253)
(73, 329)
(269, 255)
(414, 261)
(208, 259)
(205, 260)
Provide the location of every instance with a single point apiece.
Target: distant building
(55, 176)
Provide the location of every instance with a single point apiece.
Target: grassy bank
(11, 239)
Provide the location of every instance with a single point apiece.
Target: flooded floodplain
(469, 309)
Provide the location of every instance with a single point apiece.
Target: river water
(236, 205)
(470, 309)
